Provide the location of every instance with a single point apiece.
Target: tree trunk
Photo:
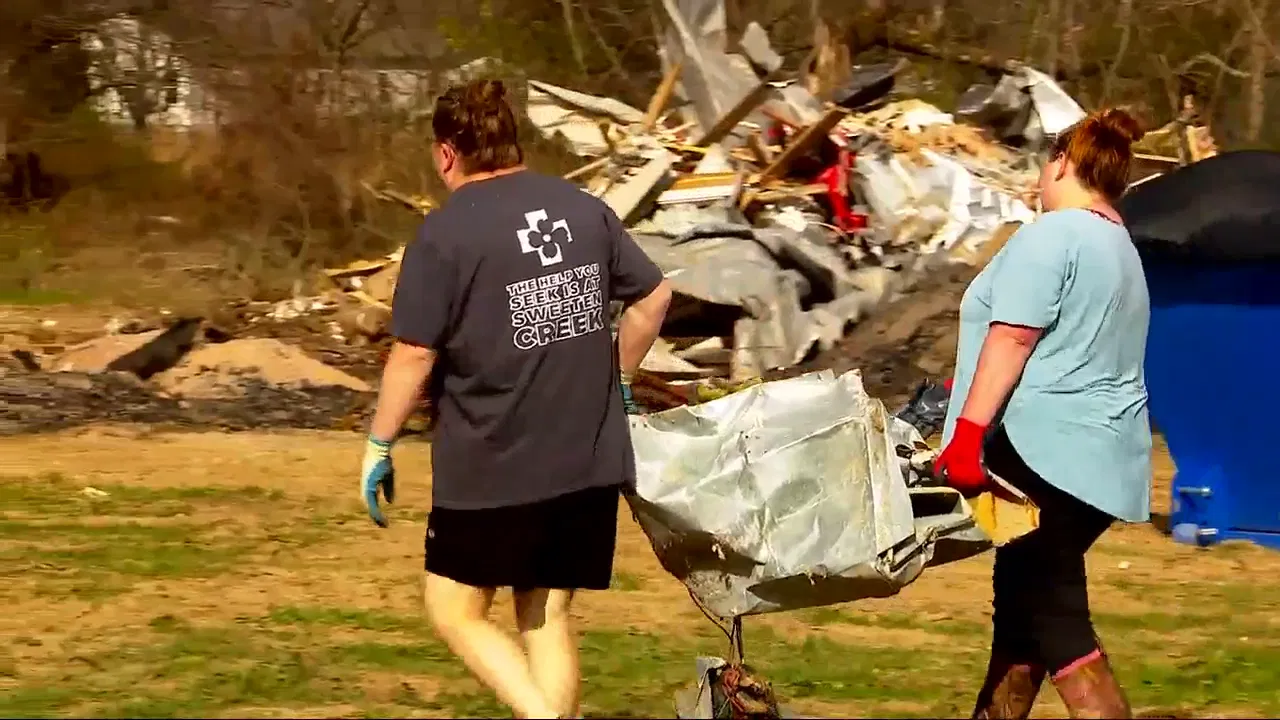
(1259, 59)
(1052, 54)
(570, 28)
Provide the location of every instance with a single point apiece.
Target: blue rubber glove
(629, 401)
(376, 473)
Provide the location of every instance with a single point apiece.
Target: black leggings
(1041, 606)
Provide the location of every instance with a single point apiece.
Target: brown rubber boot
(1089, 690)
(1009, 691)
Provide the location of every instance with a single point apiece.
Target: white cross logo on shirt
(547, 243)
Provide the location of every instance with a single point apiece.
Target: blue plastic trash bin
(1213, 372)
(1209, 237)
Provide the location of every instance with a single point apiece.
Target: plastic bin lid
(1222, 209)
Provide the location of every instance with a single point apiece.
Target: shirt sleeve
(422, 306)
(1027, 285)
(632, 275)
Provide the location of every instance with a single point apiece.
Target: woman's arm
(1000, 363)
(1027, 281)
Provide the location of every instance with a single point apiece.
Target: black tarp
(1223, 209)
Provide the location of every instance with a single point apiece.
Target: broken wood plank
(766, 196)
(684, 127)
(356, 269)
(626, 197)
(807, 139)
(1194, 151)
(588, 168)
(994, 244)
(759, 150)
(703, 187)
(600, 184)
(1156, 158)
(699, 180)
(420, 204)
(739, 112)
(368, 299)
(661, 97)
(683, 148)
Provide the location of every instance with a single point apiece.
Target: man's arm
(420, 313)
(638, 282)
(639, 327)
(406, 373)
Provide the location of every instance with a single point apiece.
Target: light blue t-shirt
(1078, 415)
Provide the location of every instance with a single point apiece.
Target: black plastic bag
(927, 408)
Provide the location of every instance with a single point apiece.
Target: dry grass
(236, 575)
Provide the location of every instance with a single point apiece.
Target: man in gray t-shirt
(501, 309)
(510, 283)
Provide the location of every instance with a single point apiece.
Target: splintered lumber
(702, 180)
(810, 137)
(627, 197)
(759, 149)
(589, 168)
(784, 193)
(661, 97)
(368, 299)
(739, 112)
(357, 268)
(702, 187)
(419, 203)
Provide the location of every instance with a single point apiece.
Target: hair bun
(1121, 123)
(487, 93)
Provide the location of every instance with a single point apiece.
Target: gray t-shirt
(509, 282)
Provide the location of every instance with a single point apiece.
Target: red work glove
(960, 462)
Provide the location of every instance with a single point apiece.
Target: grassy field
(220, 575)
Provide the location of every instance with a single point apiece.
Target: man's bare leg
(544, 622)
(460, 614)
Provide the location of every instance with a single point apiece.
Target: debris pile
(807, 217)
(189, 374)
(217, 371)
(34, 401)
(783, 219)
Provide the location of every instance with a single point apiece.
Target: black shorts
(1041, 604)
(566, 542)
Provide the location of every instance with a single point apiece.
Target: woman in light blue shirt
(1049, 392)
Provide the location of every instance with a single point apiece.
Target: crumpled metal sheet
(1055, 107)
(558, 111)
(791, 494)
(711, 79)
(719, 269)
(1004, 108)
(728, 269)
(755, 43)
(1025, 105)
(776, 331)
(712, 255)
(869, 83)
(608, 107)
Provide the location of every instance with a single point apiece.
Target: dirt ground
(171, 568)
(235, 574)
